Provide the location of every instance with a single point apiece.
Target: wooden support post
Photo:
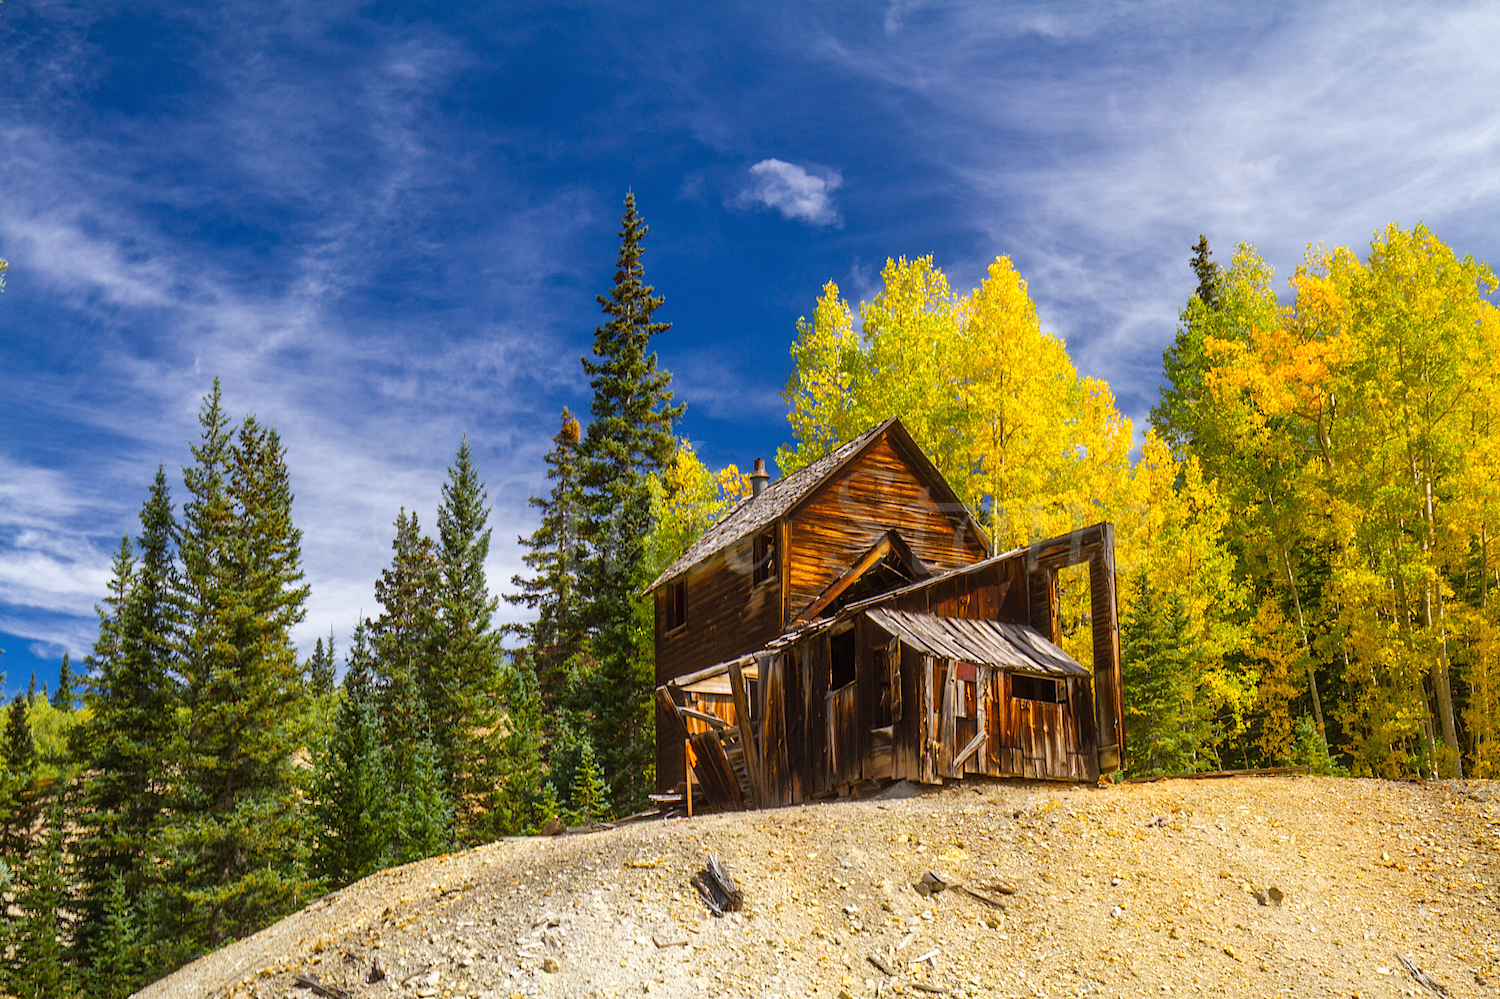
(748, 748)
(687, 760)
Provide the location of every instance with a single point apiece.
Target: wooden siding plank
(747, 733)
(877, 493)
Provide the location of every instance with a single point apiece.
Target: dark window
(841, 647)
(765, 555)
(1035, 688)
(676, 605)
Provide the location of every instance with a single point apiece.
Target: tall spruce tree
(63, 697)
(124, 741)
(460, 679)
(320, 668)
(401, 636)
(1184, 364)
(39, 962)
(115, 964)
(20, 746)
(630, 439)
(237, 848)
(352, 808)
(555, 556)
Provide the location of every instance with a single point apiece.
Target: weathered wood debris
(717, 887)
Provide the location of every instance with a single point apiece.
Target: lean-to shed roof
(986, 643)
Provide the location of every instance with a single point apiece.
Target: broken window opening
(841, 653)
(1035, 688)
(677, 605)
(765, 556)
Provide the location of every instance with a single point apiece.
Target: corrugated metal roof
(750, 515)
(987, 643)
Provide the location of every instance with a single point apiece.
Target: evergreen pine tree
(1207, 271)
(424, 813)
(402, 635)
(555, 557)
(516, 804)
(40, 964)
(630, 439)
(320, 668)
(460, 676)
(590, 791)
(115, 968)
(1185, 364)
(124, 742)
(236, 842)
(352, 808)
(20, 747)
(63, 697)
(1162, 727)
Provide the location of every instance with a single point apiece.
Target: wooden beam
(878, 551)
(747, 733)
(669, 708)
(704, 716)
(957, 770)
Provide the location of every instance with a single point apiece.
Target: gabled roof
(787, 493)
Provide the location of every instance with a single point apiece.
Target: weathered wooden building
(849, 624)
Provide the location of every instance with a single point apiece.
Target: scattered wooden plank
(306, 981)
(717, 887)
(993, 902)
(1422, 978)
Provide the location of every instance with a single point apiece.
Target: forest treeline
(1303, 547)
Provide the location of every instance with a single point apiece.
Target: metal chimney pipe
(759, 478)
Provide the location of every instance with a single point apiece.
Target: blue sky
(383, 225)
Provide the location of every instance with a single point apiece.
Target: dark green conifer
(123, 744)
(402, 636)
(555, 556)
(352, 808)
(1164, 728)
(629, 440)
(237, 840)
(320, 668)
(20, 747)
(460, 678)
(39, 961)
(517, 804)
(590, 791)
(63, 697)
(116, 964)
(1207, 271)
(1185, 363)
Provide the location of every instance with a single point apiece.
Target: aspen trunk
(1440, 669)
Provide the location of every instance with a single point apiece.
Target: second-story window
(676, 604)
(765, 555)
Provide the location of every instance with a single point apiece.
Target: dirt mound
(1160, 889)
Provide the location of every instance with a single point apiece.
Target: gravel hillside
(1144, 889)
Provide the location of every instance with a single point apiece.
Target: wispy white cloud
(314, 336)
(1152, 123)
(797, 193)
